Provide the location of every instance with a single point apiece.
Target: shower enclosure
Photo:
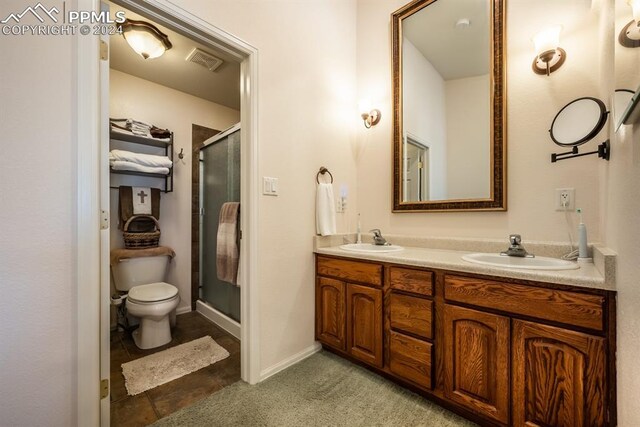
(219, 183)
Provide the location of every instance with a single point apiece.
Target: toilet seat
(152, 293)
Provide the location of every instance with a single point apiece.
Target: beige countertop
(587, 276)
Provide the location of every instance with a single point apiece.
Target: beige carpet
(167, 365)
(323, 390)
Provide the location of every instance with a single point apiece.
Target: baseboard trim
(298, 357)
(218, 318)
(183, 310)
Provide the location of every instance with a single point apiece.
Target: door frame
(90, 189)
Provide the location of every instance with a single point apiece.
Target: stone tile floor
(145, 408)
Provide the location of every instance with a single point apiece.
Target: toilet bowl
(152, 304)
(149, 299)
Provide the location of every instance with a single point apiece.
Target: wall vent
(208, 61)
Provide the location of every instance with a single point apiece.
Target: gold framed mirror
(449, 106)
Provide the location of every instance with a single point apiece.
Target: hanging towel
(141, 159)
(325, 210)
(227, 247)
(126, 209)
(141, 200)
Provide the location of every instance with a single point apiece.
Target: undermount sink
(371, 248)
(536, 263)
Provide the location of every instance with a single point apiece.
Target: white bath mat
(167, 365)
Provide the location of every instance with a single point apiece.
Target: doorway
(416, 167)
(93, 104)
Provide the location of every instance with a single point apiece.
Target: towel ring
(322, 171)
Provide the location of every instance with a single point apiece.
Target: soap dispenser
(583, 252)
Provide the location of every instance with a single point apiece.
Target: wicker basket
(141, 240)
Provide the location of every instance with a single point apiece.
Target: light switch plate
(269, 186)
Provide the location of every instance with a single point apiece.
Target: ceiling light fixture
(549, 55)
(145, 38)
(630, 34)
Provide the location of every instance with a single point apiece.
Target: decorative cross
(142, 195)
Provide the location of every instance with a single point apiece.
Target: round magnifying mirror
(578, 122)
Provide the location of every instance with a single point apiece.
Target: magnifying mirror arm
(603, 152)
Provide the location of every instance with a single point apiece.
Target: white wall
(424, 109)
(622, 231)
(141, 99)
(468, 110)
(307, 118)
(532, 102)
(37, 223)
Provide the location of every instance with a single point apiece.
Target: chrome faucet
(516, 248)
(377, 237)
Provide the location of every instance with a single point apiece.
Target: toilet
(149, 298)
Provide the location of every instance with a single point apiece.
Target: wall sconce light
(549, 55)
(630, 34)
(145, 38)
(371, 118)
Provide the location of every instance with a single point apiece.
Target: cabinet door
(476, 361)
(558, 377)
(364, 323)
(330, 312)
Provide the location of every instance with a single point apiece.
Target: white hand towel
(325, 210)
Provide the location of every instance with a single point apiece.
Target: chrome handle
(515, 239)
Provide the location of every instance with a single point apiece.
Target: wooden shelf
(166, 144)
(135, 173)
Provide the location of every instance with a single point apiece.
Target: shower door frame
(91, 208)
(206, 308)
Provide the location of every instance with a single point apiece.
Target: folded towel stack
(139, 128)
(136, 127)
(138, 162)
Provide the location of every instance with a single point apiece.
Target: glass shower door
(219, 183)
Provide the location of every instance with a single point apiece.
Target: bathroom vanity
(497, 350)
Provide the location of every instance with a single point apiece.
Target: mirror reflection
(445, 105)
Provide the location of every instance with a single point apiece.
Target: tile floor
(145, 408)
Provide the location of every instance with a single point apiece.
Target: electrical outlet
(341, 206)
(565, 199)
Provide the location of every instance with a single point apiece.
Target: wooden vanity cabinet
(349, 308)
(558, 376)
(330, 312)
(501, 352)
(476, 361)
(364, 324)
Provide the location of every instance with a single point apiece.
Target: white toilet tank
(140, 271)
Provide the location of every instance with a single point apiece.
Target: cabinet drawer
(410, 280)
(350, 270)
(410, 358)
(411, 314)
(550, 304)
